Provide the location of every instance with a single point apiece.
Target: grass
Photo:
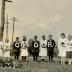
(40, 67)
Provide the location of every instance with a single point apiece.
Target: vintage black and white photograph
(35, 35)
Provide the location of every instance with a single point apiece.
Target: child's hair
(62, 34)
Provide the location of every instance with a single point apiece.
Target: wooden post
(3, 18)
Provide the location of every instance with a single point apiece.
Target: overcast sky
(38, 17)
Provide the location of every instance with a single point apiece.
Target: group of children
(43, 48)
(65, 48)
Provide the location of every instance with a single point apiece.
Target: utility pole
(3, 18)
(7, 27)
(13, 19)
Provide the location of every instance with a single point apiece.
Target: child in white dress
(69, 49)
(62, 48)
(6, 49)
(43, 48)
(1, 49)
(24, 49)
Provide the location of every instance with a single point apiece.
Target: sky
(40, 17)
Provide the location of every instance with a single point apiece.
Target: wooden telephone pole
(7, 27)
(3, 18)
(13, 19)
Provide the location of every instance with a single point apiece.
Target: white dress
(24, 49)
(7, 50)
(69, 45)
(62, 47)
(1, 49)
(43, 48)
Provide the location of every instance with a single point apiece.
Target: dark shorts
(17, 53)
(35, 53)
(69, 54)
(50, 53)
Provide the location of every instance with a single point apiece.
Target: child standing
(1, 49)
(35, 48)
(43, 48)
(24, 49)
(6, 49)
(16, 47)
(62, 48)
(50, 48)
(69, 49)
